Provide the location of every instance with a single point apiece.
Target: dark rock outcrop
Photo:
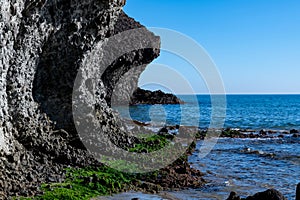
(233, 196)
(141, 96)
(121, 76)
(44, 45)
(270, 194)
(178, 175)
(294, 131)
(298, 192)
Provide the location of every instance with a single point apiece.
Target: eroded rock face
(43, 45)
(121, 77)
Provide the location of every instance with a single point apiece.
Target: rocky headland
(44, 46)
(141, 96)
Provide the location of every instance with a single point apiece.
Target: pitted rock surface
(43, 45)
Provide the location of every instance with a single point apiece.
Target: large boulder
(270, 194)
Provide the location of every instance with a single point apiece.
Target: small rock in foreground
(270, 194)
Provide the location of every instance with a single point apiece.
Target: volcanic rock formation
(45, 46)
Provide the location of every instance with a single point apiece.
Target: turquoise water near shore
(279, 112)
(246, 166)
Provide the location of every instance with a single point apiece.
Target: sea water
(279, 112)
(248, 166)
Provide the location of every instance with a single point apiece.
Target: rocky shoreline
(248, 133)
(270, 194)
(201, 133)
(176, 176)
(241, 134)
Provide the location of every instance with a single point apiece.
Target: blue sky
(255, 44)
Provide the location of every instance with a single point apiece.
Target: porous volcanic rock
(44, 46)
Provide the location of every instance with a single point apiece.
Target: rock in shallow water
(270, 194)
(233, 196)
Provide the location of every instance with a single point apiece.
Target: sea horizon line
(239, 94)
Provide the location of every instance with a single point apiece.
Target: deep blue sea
(246, 166)
(278, 112)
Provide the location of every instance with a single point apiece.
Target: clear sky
(255, 43)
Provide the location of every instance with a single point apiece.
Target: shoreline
(202, 133)
(235, 133)
(86, 181)
(231, 196)
(176, 173)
